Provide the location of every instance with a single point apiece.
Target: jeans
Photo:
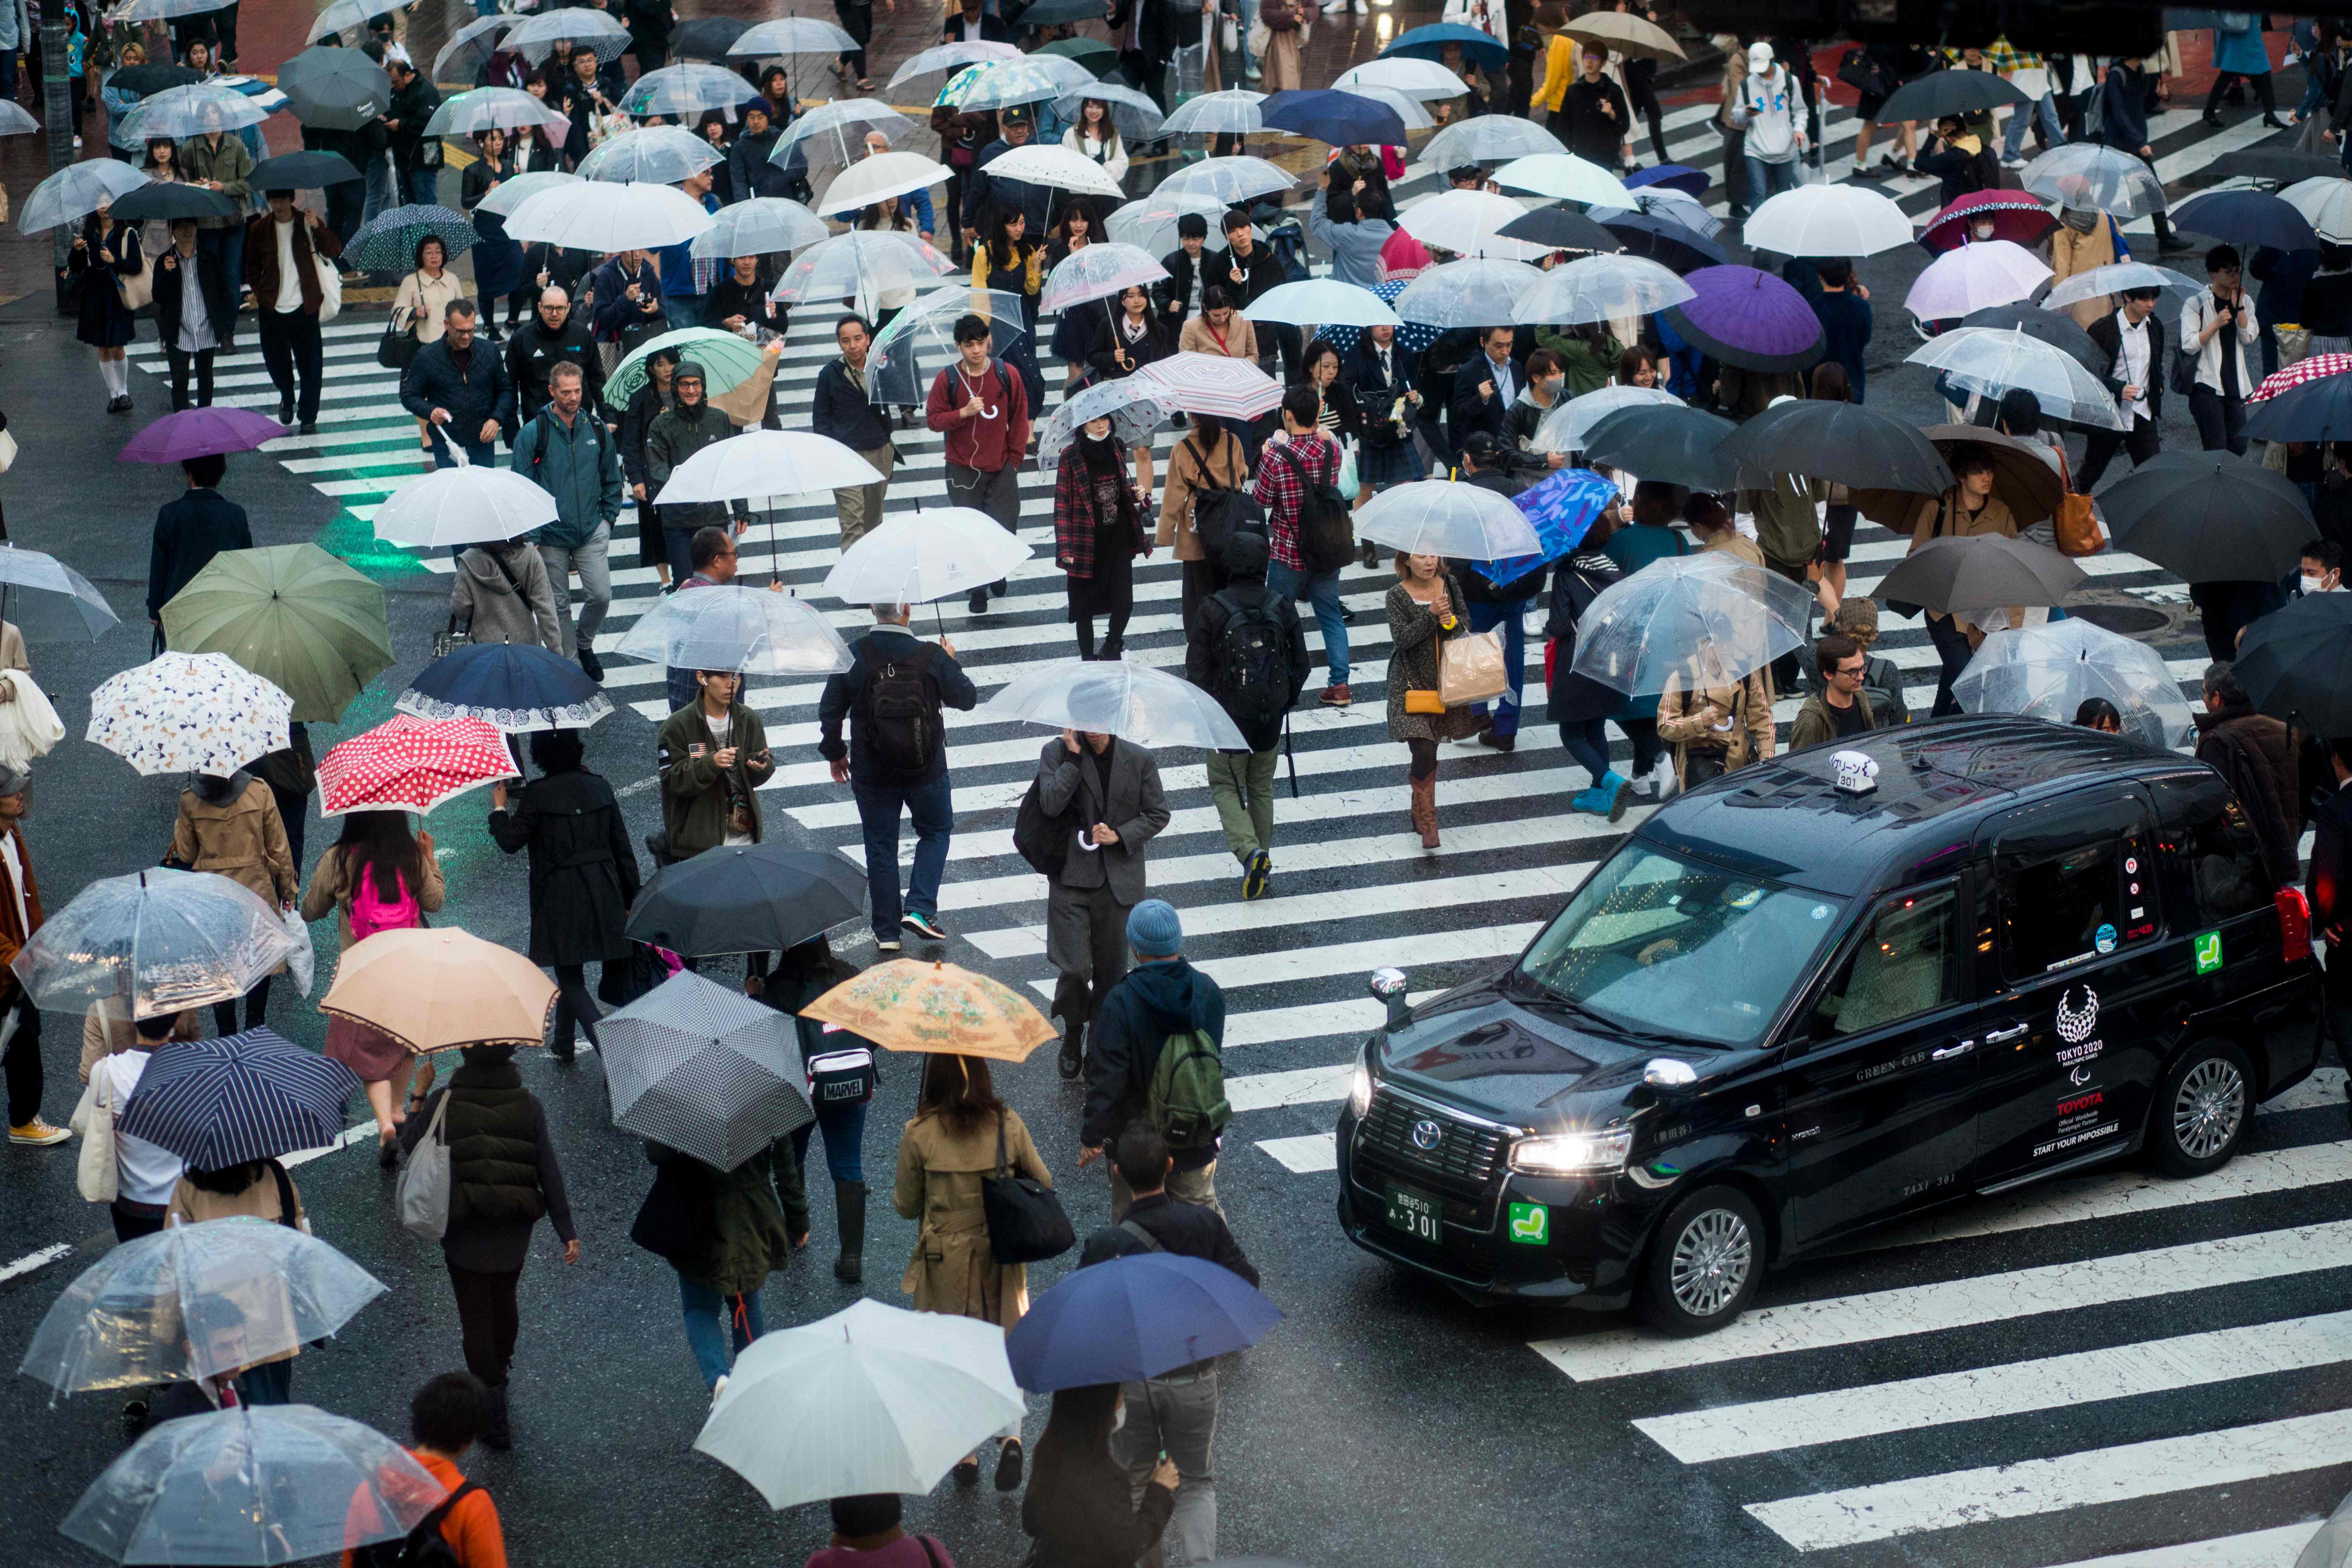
(487, 1320)
(933, 810)
(182, 362)
(678, 543)
(297, 360)
(2220, 421)
(421, 187)
(844, 1126)
(379, 185)
(1176, 1416)
(1240, 784)
(707, 1335)
(1513, 618)
(1323, 593)
(1586, 742)
(593, 560)
(2047, 108)
(1766, 180)
(682, 310)
(228, 247)
(575, 1009)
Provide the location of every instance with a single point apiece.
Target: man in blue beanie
(1162, 1005)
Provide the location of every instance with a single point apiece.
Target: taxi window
(1908, 962)
(2225, 857)
(2074, 888)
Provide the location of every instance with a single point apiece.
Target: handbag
(1026, 1222)
(845, 1077)
(139, 288)
(446, 643)
(398, 347)
(1471, 669)
(2075, 524)
(330, 289)
(94, 1172)
(8, 451)
(1261, 38)
(425, 1185)
(1423, 702)
(1346, 484)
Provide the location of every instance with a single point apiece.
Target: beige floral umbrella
(907, 1005)
(434, 988)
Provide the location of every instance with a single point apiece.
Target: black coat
(2108, 335)
(220, 305)
(1207, 632)
(483, 391)
(635, 421)
(1188, 1230)
(189, 532)
(1578, 580)
(103, 321)
(584, 872)
(414, 105)
(841, 411)
(2328, 882)
(1377, 393)
(1261, 272)
(1077, 1509)
(749, 170)
(533, 350)
(1176, 289)
(1105, 340)
(981, 193)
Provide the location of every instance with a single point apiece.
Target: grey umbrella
(703, 1070)
(335, 89)
(2053, 327)
(1981, 574)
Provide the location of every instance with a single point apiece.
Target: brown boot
(1425, 810)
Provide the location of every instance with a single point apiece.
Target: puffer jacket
(240, 836)
(723, 1230)
(677, 434)
(515, 604)
(2257, 754)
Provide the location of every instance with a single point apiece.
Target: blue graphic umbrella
(254, 1096)
(1134, 1318)
(518, 687)
(1342, 118)
(388, 241)
(1673, 176)
(1562, 508)
(1480, 47)
(1412, 338)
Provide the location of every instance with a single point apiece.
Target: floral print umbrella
(907, 1005)
(407, 763)
(189, 713)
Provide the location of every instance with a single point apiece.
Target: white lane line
(2276, 1548)
(35, 1260)
(1826, 1521)
(1961, 1303)
(2048, 1383)
(1299, 1086)
(1304, 1157)
(349, 1136)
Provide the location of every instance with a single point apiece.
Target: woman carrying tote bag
(1425, 611)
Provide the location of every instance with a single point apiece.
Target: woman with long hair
(1098, 534)
(378, 876)
(161, 164)
(1126, 338)
(961, 1133)
(105, 258)
(1426, 610)
(1096, 138)
(1967, 510)
(714, 129)
(1076, 333)
(1011, 259)
(1081, 1509)
(497, 260)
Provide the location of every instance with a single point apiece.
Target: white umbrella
(941, 58)
(761, 463)
(189, 713)
(2115, 277)
(733, 627)
(2327, 202)
(1232, 181)
(75, 191)
(1214, 383)
(1564, 429)
(1562, 176)
(1424, 80)
(1103, 271)
(598, 215)
(1478, 291)
(885, 174)
(1321, 302)
(1466, 221)
(1232, 111)
(469, 505)
(1136, 702)
(1840, 220)
(512, 193)
(916, 557)
(1407, 107)
(1444, 516)
(1975, 277)
(1991, 361)
(863, 263)
(1602, 288)
(652, 154)
(1150, 221)
(760, 226)
(1059, 167)
(1487, 139)
(790, 35)
(871, 1399)
(844, 124)
(534, 37)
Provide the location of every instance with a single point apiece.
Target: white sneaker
(1362, 9)
(77, 143)
(715, 1390)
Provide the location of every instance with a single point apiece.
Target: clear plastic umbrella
(1150, 222)
(1230, 113)
(1030, 80)
(762, 464)
(839, 128)
(1320, 301)
(1113, 697)
(1975, 277)
(790, 35)
(195, 1301)
(705, 1070)
(1487, 139)
(691, 87)
(347, 15)
(1840, 220)
(1478, 292)
(1407, 108)
(863, 262)
(941, 60)
(925, 332)
(1732, 617)
(512, 193)
(1232, 181)
(47, 600)
(760, 226)
(469, 48)
(471, 505)
(885, 174)
(161, 10)
(2082, 175)
(653, 154)
(1135, 409)
(737, 627)
(916, 557)
(165, 939)
(506, 107)
(1664, 202)
(181, 112)
(596, 214)
(2050, 671)
(189, 713)
(1601, 287)
(2115, 277)
(1101, 272)
(534, 37)
(253, 1483)
(1137, 118)
(75, 192)
(1444, 516)
(1991, 361)
(1424, 80)
(1564, 429)
(1466, 221)
(16, 119)
(2326, 202)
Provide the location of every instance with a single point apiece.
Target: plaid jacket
(1074, 523)
(1284, 473)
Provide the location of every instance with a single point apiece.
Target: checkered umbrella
(2317, 367)
(254, 1096)
(704, 1069)
(189, 713)
(407, 763)
(388, 242)
(1212, 384)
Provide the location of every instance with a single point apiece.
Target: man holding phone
(2217, 326)
(713, 757)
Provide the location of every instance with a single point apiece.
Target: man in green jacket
(713, 756)
(1840, 709)
(568, 453)
(677, 434)
(218, 161)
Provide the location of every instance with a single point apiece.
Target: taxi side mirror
(1668, 1075)
(1389, 986)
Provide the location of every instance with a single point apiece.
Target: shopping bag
(1470, 668)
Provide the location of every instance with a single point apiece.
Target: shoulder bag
(330, 287)
(2076, 525)
(95, 1171)
(425, 1185)
(398, 347)
(1026, 1222)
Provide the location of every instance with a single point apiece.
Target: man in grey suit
(1110, 788)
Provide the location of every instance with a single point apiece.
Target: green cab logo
(2208, 952)
(1530, 1224)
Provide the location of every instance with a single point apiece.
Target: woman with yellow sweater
(1011, 261)
(1559, 67)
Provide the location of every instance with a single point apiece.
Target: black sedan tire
(2203, 1108)
(1704, 1263)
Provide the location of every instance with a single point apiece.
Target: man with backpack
(445, 1418)
(1158, 1062)
(1308, 531)
(567, 452)
(983, 413)
(1247, 649)
(895, 759)
(1094, 806)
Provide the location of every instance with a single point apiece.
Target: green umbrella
(727, 362)
(291, 614)
(1092, 53)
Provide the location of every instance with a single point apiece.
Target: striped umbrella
(704, 1069)
(388, 241)
(2317, 367)
(1212, 384)
(406, 763)
(254, 1096)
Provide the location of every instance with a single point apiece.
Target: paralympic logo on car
(2074, 1025)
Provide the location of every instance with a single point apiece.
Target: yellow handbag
(1423, 702)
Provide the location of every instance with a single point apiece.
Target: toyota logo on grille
(1427, 1134)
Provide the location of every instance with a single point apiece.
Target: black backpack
(1220, 512)
(1042, 840)
(423, 1547)
(1250, 675)
(904, 730)
(1326, 532)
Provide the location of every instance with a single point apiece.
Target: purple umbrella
(1747, 319)
(200, 433)
(1674, 176)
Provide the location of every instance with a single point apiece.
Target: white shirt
(145, 1172)
(289, 285)
(196, 335)
(1500, 375)
(15, 877)
(2132, 363)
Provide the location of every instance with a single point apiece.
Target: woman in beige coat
(1210, 456)
(2081, 241)
(231, 826)
(1968, 510)
(1218, 329)
(961, 1132)
(1426, 611)
(1714, 727)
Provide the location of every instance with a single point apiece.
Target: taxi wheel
(1704, 1262)
(2203, 1107)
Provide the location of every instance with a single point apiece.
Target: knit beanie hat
(1153, 930)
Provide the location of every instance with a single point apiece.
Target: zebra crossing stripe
(2274, 1548)
(1304, 1157)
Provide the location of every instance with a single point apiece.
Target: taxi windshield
(1663, 945)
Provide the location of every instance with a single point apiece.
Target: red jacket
(986, 443)
(1076, 525)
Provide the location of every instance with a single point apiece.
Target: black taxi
(1826, 990)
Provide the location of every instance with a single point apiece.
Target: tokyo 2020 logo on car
(2075, 1024)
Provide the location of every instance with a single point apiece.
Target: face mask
(1982, 230)
(2080, 221)
(1552, 384)
(2311, 584)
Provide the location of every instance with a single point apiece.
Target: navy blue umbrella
(1662, 240)
(518, 687)
(1134, 1318)
(1673, 176)
(1479, 47)
(1342, 118)
(254, 1096)
(2318, 410)
(2246, 219)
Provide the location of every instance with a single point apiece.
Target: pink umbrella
(2313, 369)
(200, 433)
(2015, 216)
(408, 764)
(1976, 276)
(1212, 384)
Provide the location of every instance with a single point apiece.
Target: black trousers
(346, 205)
(256, 1003)
(1202, 579)
(182, 361)
(297, 359)
(1952, 648)
(132, 1221)
(858, 21)
(1642, 98)
(1647, 747)
(2220, 421)
(294, 810)
(2225, 609)
(575, 1009)
(2263, 90)
(1148, 73)
(2142, 441)
(23, 1064)
(488, 1322)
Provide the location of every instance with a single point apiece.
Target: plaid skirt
(1381, 466)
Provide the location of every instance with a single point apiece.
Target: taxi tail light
(2295, 924)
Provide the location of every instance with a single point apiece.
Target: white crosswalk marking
(2256, 1549)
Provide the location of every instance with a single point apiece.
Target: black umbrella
(302, 172)
(2209, 517)
(706, 37)
(2284, 164)
(1676, 246)
(749, 898)
(1052, 13)
(1841, 441)
(2248, 219)
(157, 78)
(2318, 410)
(2055, 327)
(2296, 664)
(1955, 91)
(335, 89)
(1981, 573)
(1659, 441)
(1561, 228)
(171, 199)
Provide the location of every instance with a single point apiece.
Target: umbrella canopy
(2115, 277)
(1988, 360)
(75, 192)
(689, 89)
(253, 1484)
(1102, 271)
(1601, 288)
(766, 463)
(172, 200)
(407, 763)
(467, 505)
(1423, 79)
(304, 172)
(1132, 1317)
(1570, 424)
(907, 1005)
(2249, 220)
(200, 433)
(535, 38)
(709, 37)
(760, 226)
(1234, 181)
(512, 193)
(471, 48)
(388, 242)
(1135, 411)
(1560, 227)
(1031, 80)
(1675, 246)
(597, 214)
(516, 687)
(1843, 442)
(135, 1316)
(16, 119)
(790, 35)
(1137, 702)
(1092, 53)
(1232, 111)
(1729, 616)
(1984, 273)
(652, 154)
(1479, 292)
(2086, 176)
(1150, 222)
(2053, 327)
(1681, 177)
(2209, 517)
(704, 1069)
(1321, 301)
(736, 627)
(871, 1399)
(347, 15)
(916, 557)
(431, 989)
(1507, 140)
(2316, 367)
(727, 361)
(1747, 319)
(2318, 410)
(2022, 481)
(1550, 172)
(335, 89)
(1054, 13)
(873, 179)
(2017, 218)
(1061, 167)
(1955, 91)
(159, 10)
(839, 129)
(2284, 164)
(2325, 204)
(1625, 34)
(50, 601)
(164, 940)
(1408, 110)
(294, 616)
(1844, 220)
(1341, 118)
(1468, 222)
(1137, 118)
(1978, 573)
(942, 58)
(863, 262)
(255, 1096)
(1444, 516)
(894, 367)
(2296, 664)
(499, 108)
(189, 713)
(1562, 507)
(746, 898)
(1677, 445)
(1479, 47)
(2050, 671)
(1213, 383)
(181, 112)
(157, 76)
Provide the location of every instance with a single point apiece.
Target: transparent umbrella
(1487, 139)
(512, 193)
(1989, 361)
(506, 107)
(1135, 409)
(47, 600)
(253, 1483)
(655, 155)
(1232, 181)
(1601, 288)
(469, 48)
(1150, 222)
(1563, 176)
(861, 264)
(1230, 113)
(918, 557)
(2326, 202)
(1133, 701)
(347, 15)
(925, 332)
(2082, 175)
(1031, 80)
(840, 128)
(1443, 516)
(1407, 108)
(1137, 118)
(195, 1301)
(534, 37)
(760, 226)
(75, 192)
(1466, 221)
(737, 627)
(161, 10)
(1734, 616)
(1478, 292)
(2115, 277)
(2049, 672)
(790, 35)
(691, 88)
(1102, 272)
(165, 939)
(1564, 429)
(941, 60)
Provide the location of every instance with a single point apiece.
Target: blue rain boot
(1616, 791)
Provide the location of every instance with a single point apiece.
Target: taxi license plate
(1415, 1213)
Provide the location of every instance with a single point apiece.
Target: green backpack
(1187, 1103)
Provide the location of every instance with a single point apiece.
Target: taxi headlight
(1595, 1153)
(1360, 1091)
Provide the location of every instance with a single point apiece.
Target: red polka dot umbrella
(2314, 368)
(411, 764)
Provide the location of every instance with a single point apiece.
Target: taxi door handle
(1960, 1049)
(2002, 1036)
